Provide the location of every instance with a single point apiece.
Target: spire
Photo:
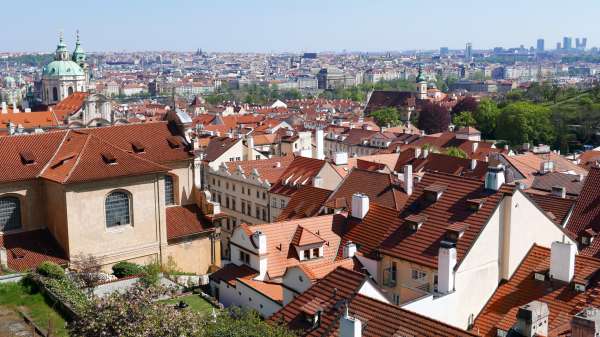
(420, 76)
(61, 49)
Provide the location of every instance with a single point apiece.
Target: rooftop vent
(434, 192)
(586, 323)
(532, 319)
(455, 231)
(27, 158)
(108, 158)
(415, 221)
(475, 204)
(174, 142)
(138, 147)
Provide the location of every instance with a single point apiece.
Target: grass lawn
(14, 295)
(194, 301)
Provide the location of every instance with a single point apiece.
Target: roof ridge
(79, 155)
(43, 170)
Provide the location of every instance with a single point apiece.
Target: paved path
(12, 325)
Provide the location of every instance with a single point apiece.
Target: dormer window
(27, 158)
(455, 231)
(579, 287)
(138, 147)
(415, 221)
(174, 142)
(475, 204)
(434, 192)
(109, 158)
(587, 237)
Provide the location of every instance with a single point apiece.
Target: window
(118, 208)
(219, 197)
(306, 254)
(10, 213)
(274, 203)
(249, 209)
(243, 190)
(169, 191)
(227, 185)
(244, 257)
(226, 201)
(282, 202)
(418, 275)
(257, 157)
(219, 183)
(243, 207)
(396, 299)
(55, 94)
(70, 91)
(264, 195)
(233, 187)
(257, 194)
(248, 190)
(257, 212)
(264, 214)
(233, 203)
(238, 158)
(315, 252)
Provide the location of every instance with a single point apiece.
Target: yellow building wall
(194, 256)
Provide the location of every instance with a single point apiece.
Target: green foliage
(238, 322)
(455, 152)
(151, 274)
(524, 122)
(359, 93)
(50, 270)
(124, 269)
(464, 119)
(67, 292)
(386, 116)
(485, 116)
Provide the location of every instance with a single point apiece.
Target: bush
(51, 270)
(124, 269)
(151, 274)
(68, 292)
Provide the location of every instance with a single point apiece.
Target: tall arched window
(70, 91)
(118, 209)
(10, 213)
(55, 94)
(169, 190)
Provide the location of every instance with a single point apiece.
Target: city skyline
(272, 26)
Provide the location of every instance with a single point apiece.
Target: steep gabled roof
(558, 207)
(305, 203)
(219, 145)
(301, 171)
(396, 99)
(422, 246)
(586, 212)
(339, 289)
(562, 299)
(269, 169)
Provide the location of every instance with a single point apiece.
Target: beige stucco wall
(55, 211)
(30, 194)
(87, 229)
(194, 256)
(185, 181)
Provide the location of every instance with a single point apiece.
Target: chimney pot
(562, 261)
(360, 205)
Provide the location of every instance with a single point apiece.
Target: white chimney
(15, 108)
(446, 264)
(408, 179)
(350, 326)
(562, 261)
(425, 153)
(532, 319)
(250, 145)
(349, 249)
(4, 108)
(319, 143)
(360, 205)
(473, 164)
(494, 178)
(318, 182)
(586, 323)
(417, 152)
(3, 258)
(260, 241)
(340, 158)
(474, 147)
(196, 173)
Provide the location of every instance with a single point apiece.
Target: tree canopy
(464, 119)
(433, 118)
(386, 116)
(525, 122)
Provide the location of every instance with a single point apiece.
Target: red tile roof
(301, 171)
(586, 212)
(217, 146)
(185, 220)
(269, 169)
(340, 288)
(562, 299)
(27, 250)
(305, 203)
(381, 188)
(230, 273)
(422, 246)
(559, 207)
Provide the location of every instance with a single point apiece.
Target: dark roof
(558, 207)
(422, 246)
(217, 146)
(381, 188)
(586, 212)
(396, 99)
(27, 250)
(544, 182)
(185, 220)
(306, 202)
(300, 172)
(437, 162)
(230, 272)
(379, 319)
(562, 299)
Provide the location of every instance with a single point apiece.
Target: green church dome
(62, 68)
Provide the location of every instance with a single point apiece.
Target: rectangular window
(257, 212)
(393, 271)
(243, 207)
(257, 194)
(220, 202)
(306, 254)
(274, 203)
(233, 187)
(282, 202)
(169, 191)
(264, 195)
(418, 275)
(218, 183)
(248, 191)
(226, 202)
(315, 252)
(238, 158)
(233, 203)
(227, 185)
(249, 209)
(264, 214)
(257, 157)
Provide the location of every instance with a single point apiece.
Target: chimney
(417, 152)
(340, 158)
(4, 108)
(494, 178)
(318, 182)
(446, 264)
(196, 173)
(532, 319)
(408, 179)
(3, 259)
(260, 241)
(586, 323)
(360, 205)
(350, 326)
(425, 153)
(319, 143)
(278, 164)
(473, 164)
(562, 261)
(250, 145)
(15, 108)
(474, 147)
(559, 191)
(349, 249)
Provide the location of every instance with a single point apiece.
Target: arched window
(55, 94)
(70, 91)
(118, 209)
(10, 213)
(169, 190)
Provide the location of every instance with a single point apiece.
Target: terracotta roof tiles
(185, 220)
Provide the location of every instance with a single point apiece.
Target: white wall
(372, 266)
(370, 290)
(251, 298)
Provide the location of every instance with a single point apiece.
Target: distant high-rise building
(558, 46)
(580, 44)
(567, 43)
(540, 45)
(469, 51)
(584, 43)
(444, 51)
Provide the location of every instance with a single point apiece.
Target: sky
(294, 26)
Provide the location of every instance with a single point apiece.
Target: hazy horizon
(267, 26)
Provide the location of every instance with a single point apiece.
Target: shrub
(68, 292)
(124, 269)
(151, 274)
(51, 270)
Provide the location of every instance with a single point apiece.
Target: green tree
(237, 322)
(486, 116)
(455, 152)
(524, 122)
(386, 116)
(464, 119)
